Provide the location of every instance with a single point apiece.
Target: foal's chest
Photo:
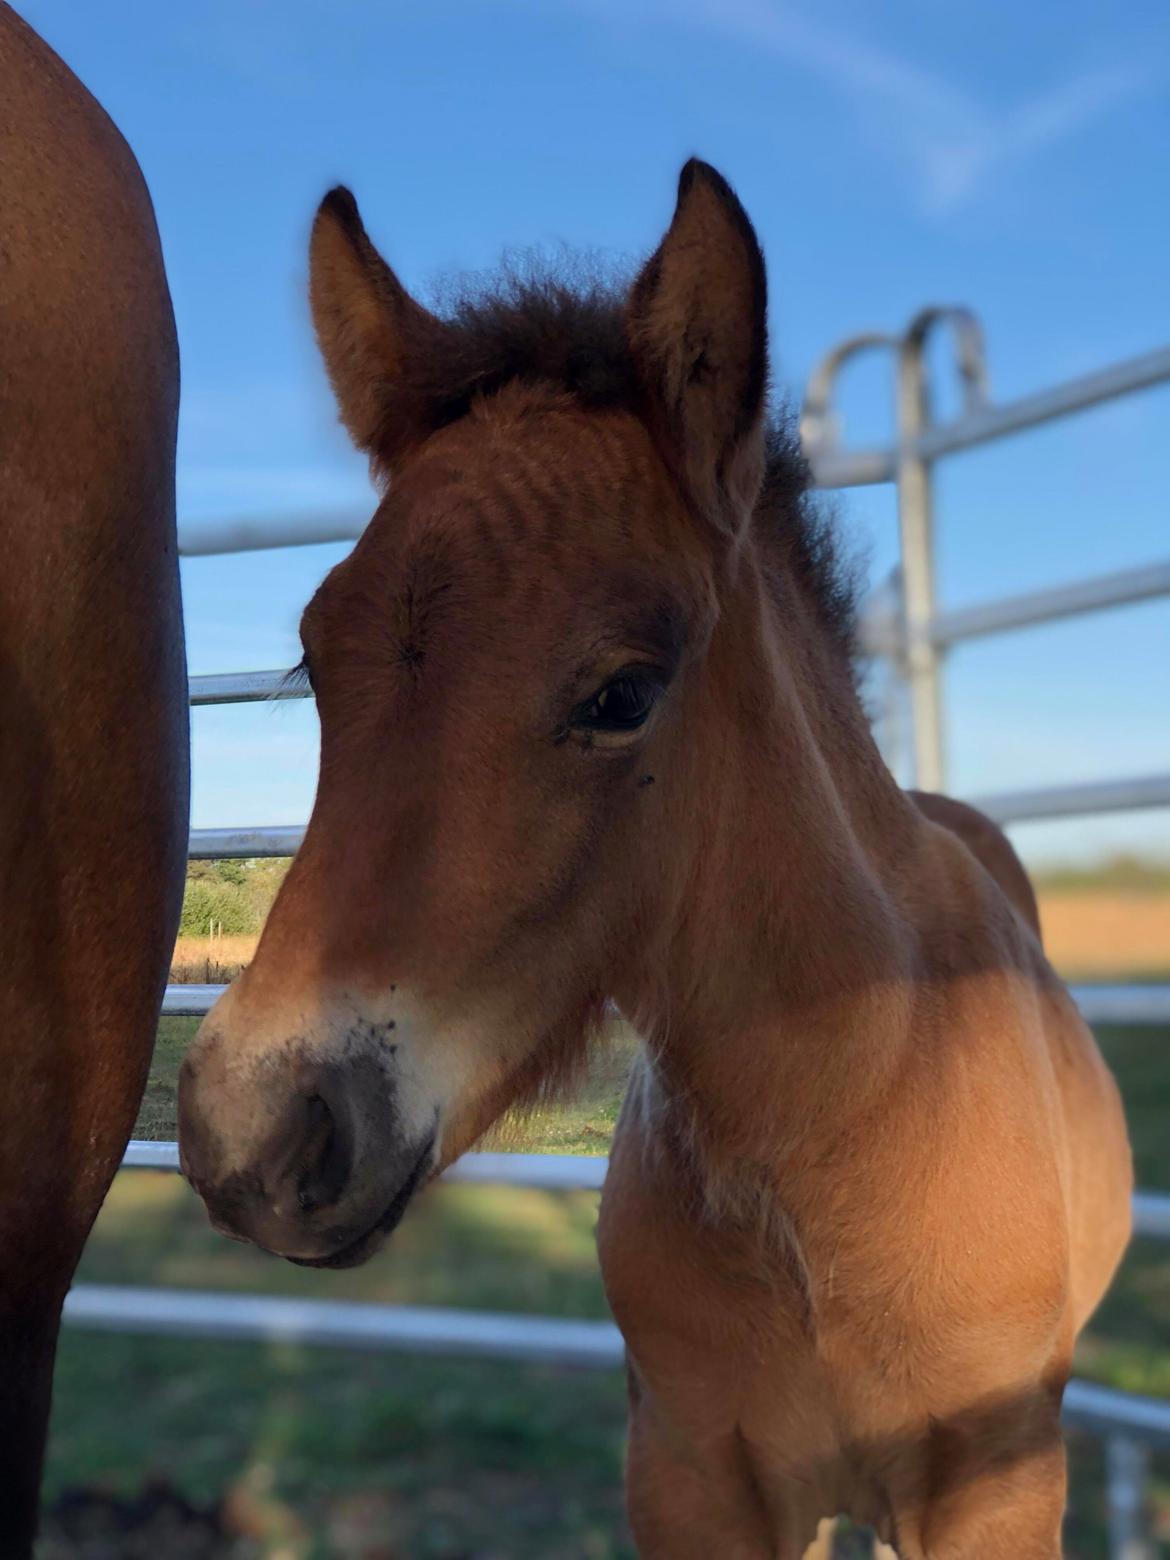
(729, 1340)
(728, 1371)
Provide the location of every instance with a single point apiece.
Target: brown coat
(93, 721)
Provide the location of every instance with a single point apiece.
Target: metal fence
(913, 634)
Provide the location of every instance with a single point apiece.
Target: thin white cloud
(949, 144)
(957, 171)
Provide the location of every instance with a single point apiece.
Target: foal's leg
(696, 1503)
(1005, 1503)
(682, 1511)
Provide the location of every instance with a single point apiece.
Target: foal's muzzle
(305, 1158)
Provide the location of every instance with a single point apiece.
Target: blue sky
(1012, 158)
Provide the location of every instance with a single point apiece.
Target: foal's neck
(778, 989)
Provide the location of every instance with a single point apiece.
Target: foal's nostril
(312, 1158)
(326, 1162)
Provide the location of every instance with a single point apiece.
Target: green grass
(1132, 874)
(156, 1114)
(443, 1459)
(439, 1459)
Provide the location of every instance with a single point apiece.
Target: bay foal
(93, 701)
(590, 731)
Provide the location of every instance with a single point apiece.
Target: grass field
(368, 1457)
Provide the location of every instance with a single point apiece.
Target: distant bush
(1122, 873)
(262, 878)
(232, 896)
(219, 904)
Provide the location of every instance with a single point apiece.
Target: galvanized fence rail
(911, 631)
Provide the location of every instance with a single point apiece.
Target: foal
(589, 731)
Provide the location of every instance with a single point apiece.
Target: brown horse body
(869, 1302)
(589, 732)
(93, 739)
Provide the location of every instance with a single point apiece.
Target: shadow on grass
(451, 1458)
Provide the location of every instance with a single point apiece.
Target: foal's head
(518, 686)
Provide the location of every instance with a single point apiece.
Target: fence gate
(901, 625)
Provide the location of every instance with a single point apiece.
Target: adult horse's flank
(589, 732)
(93, 723)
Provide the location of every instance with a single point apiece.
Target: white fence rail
(581, 1173)
(1054, 801)
(542, 1172)
(982, 423)
(539, 1340)
(915, 635)
(1135, 1005)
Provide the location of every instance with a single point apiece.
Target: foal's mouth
(359, 1250)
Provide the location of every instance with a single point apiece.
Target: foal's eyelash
(297, 679)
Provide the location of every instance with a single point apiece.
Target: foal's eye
(623, 704)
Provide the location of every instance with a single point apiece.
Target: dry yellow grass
(1096, 934)
(1090, 934)
(211, 960)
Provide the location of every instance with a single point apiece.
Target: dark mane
(530, 325)
(802, 522)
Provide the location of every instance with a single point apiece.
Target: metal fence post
(916, 523)
(1126, 1466)
(916, 527)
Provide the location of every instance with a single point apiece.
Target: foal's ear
(370, 330)
(697, 321)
